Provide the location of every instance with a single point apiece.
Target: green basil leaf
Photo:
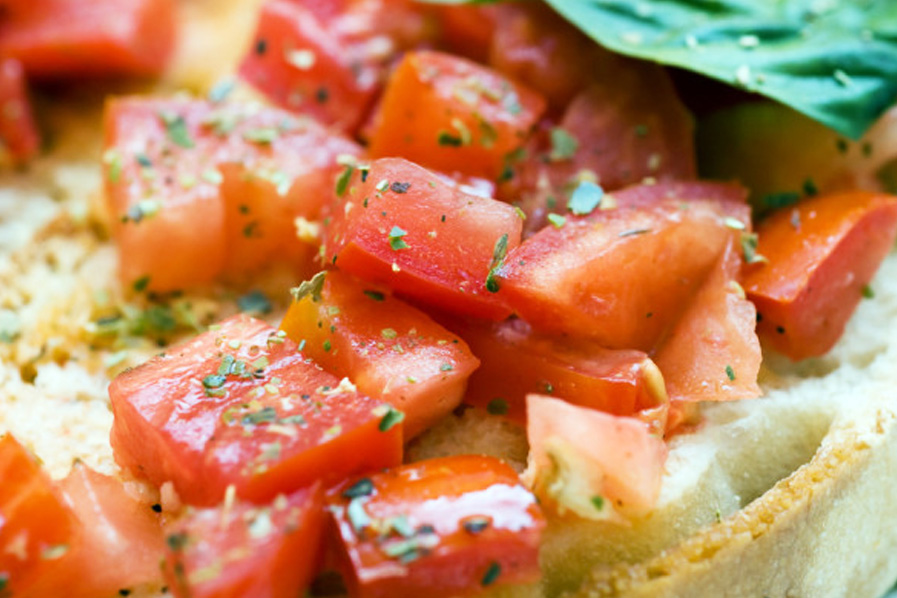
(835, 61)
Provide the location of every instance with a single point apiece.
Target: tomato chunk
(597, 465)
(116, 528)
(36, 527)
(241, 550)
(467, 29)
(70, 39)
(451, 114)
(392, 351)
(443, 527)
(517, 362)
(197, 190)
(19, 136)
(713, 353)
(240, 405)
(395, 222)
(622, 276)
(822, 254)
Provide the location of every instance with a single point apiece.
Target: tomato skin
(450, 114)
(577, 453)
(517, 362)
(392, 351)
(433, 553)
(36, 526)
(115, 529)
(224, 205)
(467, 29)
(19, 136)
(822, 253)
(62, 39)
(451, 237)
(713, 353)
(621, 277)
(252, 428)
(246, 551)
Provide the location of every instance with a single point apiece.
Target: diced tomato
(327, 59)
(713, 353)
(467, 29)
(599, 466)
(391, 351)
(443, 527)
(36, 527)
(241, 550)
(240, 405)
(395, 222)
(622, 276)
(198, 189)
(69, 39)
(821, 255)
(19, 137)
(451, 114)
(517, 362)
(119, 544)
(534, 45)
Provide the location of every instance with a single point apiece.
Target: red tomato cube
(241, 405)
(394, 222)
(241, 550)
(622, 276)
(439, 528)
(36, 527)
(73, 39)
(19, 137)
(597, 465)
(821, 255)
(451, 114)
(392, 351)
(198, 189)
(517, 362)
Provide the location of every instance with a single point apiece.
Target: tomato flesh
(621, 277)
(64, 39)
(517, 362)
(443, 527)
(19, 136)
(397, 223)
(240, 405)
(595, 464)
(198, 190)
(822, 254)
(392, 351)
(713, 353)
(242, 550)
(451, 114)
(36, 526)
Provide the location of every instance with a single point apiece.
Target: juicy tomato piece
(241, 550)
(65, 39)
(19, 137)
(713, 353)
(517, 362)
(392, 351)
(117, 528)
(395, 222)
(467, 29)
(623, 276)
(198, 189)
(241, 405)
(451, 114)
(36, 527)
(442, 527)
(327, 60)
(597, 465)
(822, 254)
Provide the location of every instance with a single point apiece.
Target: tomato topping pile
(437, 528)
(504, 219)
